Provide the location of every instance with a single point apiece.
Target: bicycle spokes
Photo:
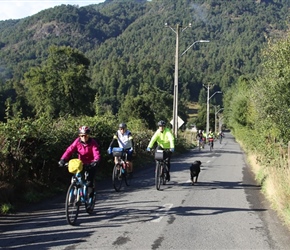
(117, 177)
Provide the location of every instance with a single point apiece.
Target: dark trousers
(90, 179)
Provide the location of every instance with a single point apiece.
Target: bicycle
(161, 169)
(221, 138)
(120, 169)
(210, 140)
(77, 195)
(200, 144)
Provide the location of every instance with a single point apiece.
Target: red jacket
(87, 152)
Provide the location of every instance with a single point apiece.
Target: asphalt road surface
(224, 210)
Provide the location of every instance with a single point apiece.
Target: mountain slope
(134, 32)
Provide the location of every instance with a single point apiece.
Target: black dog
(194, 171)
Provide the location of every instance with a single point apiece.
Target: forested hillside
(131, 52)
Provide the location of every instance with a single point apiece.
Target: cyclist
(221, 134)
(165, 140)
(125, 140)
(210, 136)
(199, 138)
(88, 152)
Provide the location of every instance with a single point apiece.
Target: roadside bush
(31, 149)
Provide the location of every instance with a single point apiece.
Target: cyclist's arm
(115, 137)
(70, 150)
(131, 139)
(153, 139)
(96, 152)
(171, 139)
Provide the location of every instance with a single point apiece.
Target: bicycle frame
(77, 195)
(120, 169)
(210, 140)
(160, 170)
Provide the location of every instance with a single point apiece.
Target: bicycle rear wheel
(127, 178)
(163, 173)
(158, 175)
(117, 177)
(72, 205)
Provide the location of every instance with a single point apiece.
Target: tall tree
(61, 85)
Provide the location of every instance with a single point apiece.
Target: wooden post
(288, 154)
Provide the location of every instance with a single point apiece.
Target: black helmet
(84, 130)
(122, 125)
(161, 123)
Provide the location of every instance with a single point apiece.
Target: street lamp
(199, 41)
(207, 106)
(215, 116)
(175, 88)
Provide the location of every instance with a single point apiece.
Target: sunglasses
(83, 135)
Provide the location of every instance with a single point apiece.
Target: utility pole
(175, 88)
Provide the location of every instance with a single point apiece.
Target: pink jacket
(87, 153)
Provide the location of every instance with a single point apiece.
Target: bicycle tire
(72, 205)
(158, 175)
(164, 172)
(117, 178)
(127, 179)
(91, 204)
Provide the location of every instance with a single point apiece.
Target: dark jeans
(90, 178)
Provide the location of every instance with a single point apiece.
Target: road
(224, 210)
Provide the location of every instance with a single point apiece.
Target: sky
(12, 9)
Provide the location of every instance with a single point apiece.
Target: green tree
(271, 90)
(61, 85)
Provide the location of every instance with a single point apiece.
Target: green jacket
(164, 139)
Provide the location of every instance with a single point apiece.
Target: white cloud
(10, 9)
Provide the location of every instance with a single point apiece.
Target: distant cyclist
(199, 138)
(165, 140)
(221, 135)
(210, 137)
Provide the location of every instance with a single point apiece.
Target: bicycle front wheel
(164, 173)
(117, 177)
(72, 205)
(91, 204)
(158, 175)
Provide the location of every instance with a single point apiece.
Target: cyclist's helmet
(161, 123)
(122, 125)
(84, 130)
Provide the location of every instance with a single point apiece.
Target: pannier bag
(118, 152)
(159, 155)
(75, 166)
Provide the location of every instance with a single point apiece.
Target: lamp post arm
(219, 111)
(217, 92)
(172, 29)
(199, 41)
